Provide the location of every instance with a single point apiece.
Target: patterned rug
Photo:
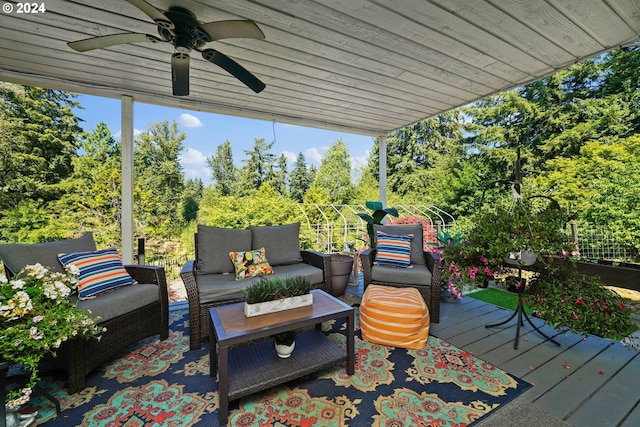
(164, 384)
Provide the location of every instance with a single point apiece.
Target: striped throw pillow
(394, 251)
(100, 271)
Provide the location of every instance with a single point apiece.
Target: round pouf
(396, 317)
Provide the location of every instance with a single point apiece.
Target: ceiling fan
(180, 27)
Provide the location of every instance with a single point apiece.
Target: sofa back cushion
(281, 243)
(16, 256)
(417, 254)
(214, 245)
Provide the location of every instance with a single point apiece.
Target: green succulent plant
(273, 288)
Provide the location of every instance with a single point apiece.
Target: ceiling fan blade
(233, 68)
(158, 17)
(232, 30)
(111, 40)
(180, 73)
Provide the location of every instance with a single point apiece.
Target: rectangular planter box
(251, 310)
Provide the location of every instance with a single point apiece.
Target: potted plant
(375, 218)
(341, 270)
(285, 342)
(36, 316)
(272, 294)
(502, 235)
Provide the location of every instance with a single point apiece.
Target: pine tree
(224, 173)
(334, 174)
(299, 180)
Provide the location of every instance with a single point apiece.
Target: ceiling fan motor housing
(186, 33)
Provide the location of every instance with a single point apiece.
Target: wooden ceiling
(361, 66)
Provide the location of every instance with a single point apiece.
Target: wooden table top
(230, 322)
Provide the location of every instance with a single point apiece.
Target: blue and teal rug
(164, 384)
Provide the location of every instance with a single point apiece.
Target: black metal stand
(520, 313)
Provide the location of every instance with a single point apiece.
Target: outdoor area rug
(162, 383)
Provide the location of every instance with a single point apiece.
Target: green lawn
(504, 299)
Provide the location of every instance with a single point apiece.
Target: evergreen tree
(334, 174)
(192, 195)
(97, 177)
(224, 173)
(44, 133)
(300, 179)
(159, 177)
(258, 167)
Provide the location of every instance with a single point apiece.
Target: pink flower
(488, 271)
(575, 316)
(484, 260)
(38, 319)
(565, 254)
(472, 272)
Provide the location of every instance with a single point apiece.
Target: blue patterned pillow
(100, 271)
(394, 251)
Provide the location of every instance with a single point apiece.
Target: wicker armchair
(79, 357)
(425, 275)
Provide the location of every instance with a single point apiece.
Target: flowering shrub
(564, 298)
(428, 232)
(36, 317)
(496, 233)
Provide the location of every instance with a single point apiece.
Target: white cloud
(312, 155)
(360, 161)
(189, 121)
(291, 157)
(118, 135)
(194, 164)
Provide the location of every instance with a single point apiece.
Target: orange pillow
(250, 263)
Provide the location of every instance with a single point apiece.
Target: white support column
(126, 146)
(382, 170)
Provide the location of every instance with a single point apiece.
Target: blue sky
(205, 131)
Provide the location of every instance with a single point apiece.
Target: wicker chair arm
(319, 260)
(367, 257)
(155, 275)
(188, 276)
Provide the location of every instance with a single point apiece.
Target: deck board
(584, 382)
(613, 396)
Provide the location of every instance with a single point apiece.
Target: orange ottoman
(396, 317)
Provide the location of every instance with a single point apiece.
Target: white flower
(17, 284)
(3, 279)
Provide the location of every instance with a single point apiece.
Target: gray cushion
(417, 275)
(281, 243)
(214, 245)
(16, 256)
(222, 287)
(417, 256)
(123, 300)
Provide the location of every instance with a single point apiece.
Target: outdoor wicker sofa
(210, 280)
(424, 275)
(129, 313)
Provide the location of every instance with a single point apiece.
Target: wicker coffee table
(254, 367)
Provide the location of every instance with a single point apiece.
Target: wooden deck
(585, 382)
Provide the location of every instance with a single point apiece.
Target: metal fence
(600, 243)
(336, 228)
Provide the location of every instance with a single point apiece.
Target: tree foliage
(224, 172)
(334, 174)
(42, 137)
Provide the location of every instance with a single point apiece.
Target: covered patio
(367, 67)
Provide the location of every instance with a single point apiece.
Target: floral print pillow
(250, 263)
